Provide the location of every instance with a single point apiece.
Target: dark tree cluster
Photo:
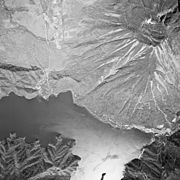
(160, 160)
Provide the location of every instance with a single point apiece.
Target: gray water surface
(102, 148)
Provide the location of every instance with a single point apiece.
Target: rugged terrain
(22, 161)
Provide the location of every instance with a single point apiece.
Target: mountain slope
(119, 58)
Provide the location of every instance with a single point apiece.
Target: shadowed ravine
(102, 148)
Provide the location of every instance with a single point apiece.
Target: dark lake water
(102, 148)
(30, 117)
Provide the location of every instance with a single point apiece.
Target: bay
(102, 148)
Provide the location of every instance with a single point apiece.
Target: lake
(102, 148)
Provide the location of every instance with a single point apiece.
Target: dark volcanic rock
(159, 160)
